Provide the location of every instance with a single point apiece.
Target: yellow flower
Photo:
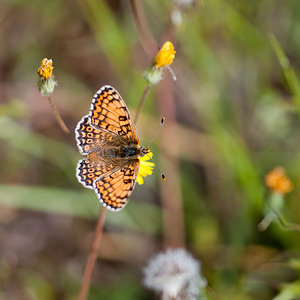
(165, 56)
(146, 168)
(46, 69)
(46, 82)
(277, 181)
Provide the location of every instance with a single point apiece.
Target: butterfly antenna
(161, 173)
(161, 122)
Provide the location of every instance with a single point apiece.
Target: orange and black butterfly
(108, 137)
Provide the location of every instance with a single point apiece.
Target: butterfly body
(107, 136)
(118, 155)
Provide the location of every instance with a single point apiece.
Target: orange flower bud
(277, 181)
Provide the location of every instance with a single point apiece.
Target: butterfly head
(144, 151)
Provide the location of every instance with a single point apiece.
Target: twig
(89, 268)
(59, 119)
(170, 189)
(147, 40)
(142, 100)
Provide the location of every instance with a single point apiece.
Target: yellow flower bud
(46, 69)
(165, 56)
(46, 82)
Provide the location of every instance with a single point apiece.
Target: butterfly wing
(90, 139)
(114, 188)
(109, 113)
(108, 125)
(88, 171)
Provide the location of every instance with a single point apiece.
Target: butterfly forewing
(90, 139)
(109, 112)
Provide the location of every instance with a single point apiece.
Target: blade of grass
(37, 145)
(289, 73)
(78, 204)
(236, 157)
(108, 32)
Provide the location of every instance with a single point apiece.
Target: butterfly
(108, 138)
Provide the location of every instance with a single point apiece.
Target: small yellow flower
(277, 181)
(46, 82)
(165, 56)
(163, 59)
(146, 168)
(46, 69)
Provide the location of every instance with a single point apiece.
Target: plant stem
(145, 35)
(286, 226)
(142, 100)
(170, 189)
(59, 119)
(89, 268)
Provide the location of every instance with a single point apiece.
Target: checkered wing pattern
(89, 170)
(114, 188)
(109, 112)
(101, 135)
(90, 139)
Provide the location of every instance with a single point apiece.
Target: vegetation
(232, 116)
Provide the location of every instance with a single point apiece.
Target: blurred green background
(237, 101)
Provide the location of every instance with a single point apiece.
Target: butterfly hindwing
(109, 112)
(114, 188)
(88, 171)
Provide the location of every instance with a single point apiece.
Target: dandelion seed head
(173, 273)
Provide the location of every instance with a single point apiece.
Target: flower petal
(146, 167)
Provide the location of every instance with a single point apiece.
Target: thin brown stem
(89, 268)
(170, 189)
(147, 40)
(59, 119)
(142, 100)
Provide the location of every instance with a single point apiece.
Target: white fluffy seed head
(174, 273)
